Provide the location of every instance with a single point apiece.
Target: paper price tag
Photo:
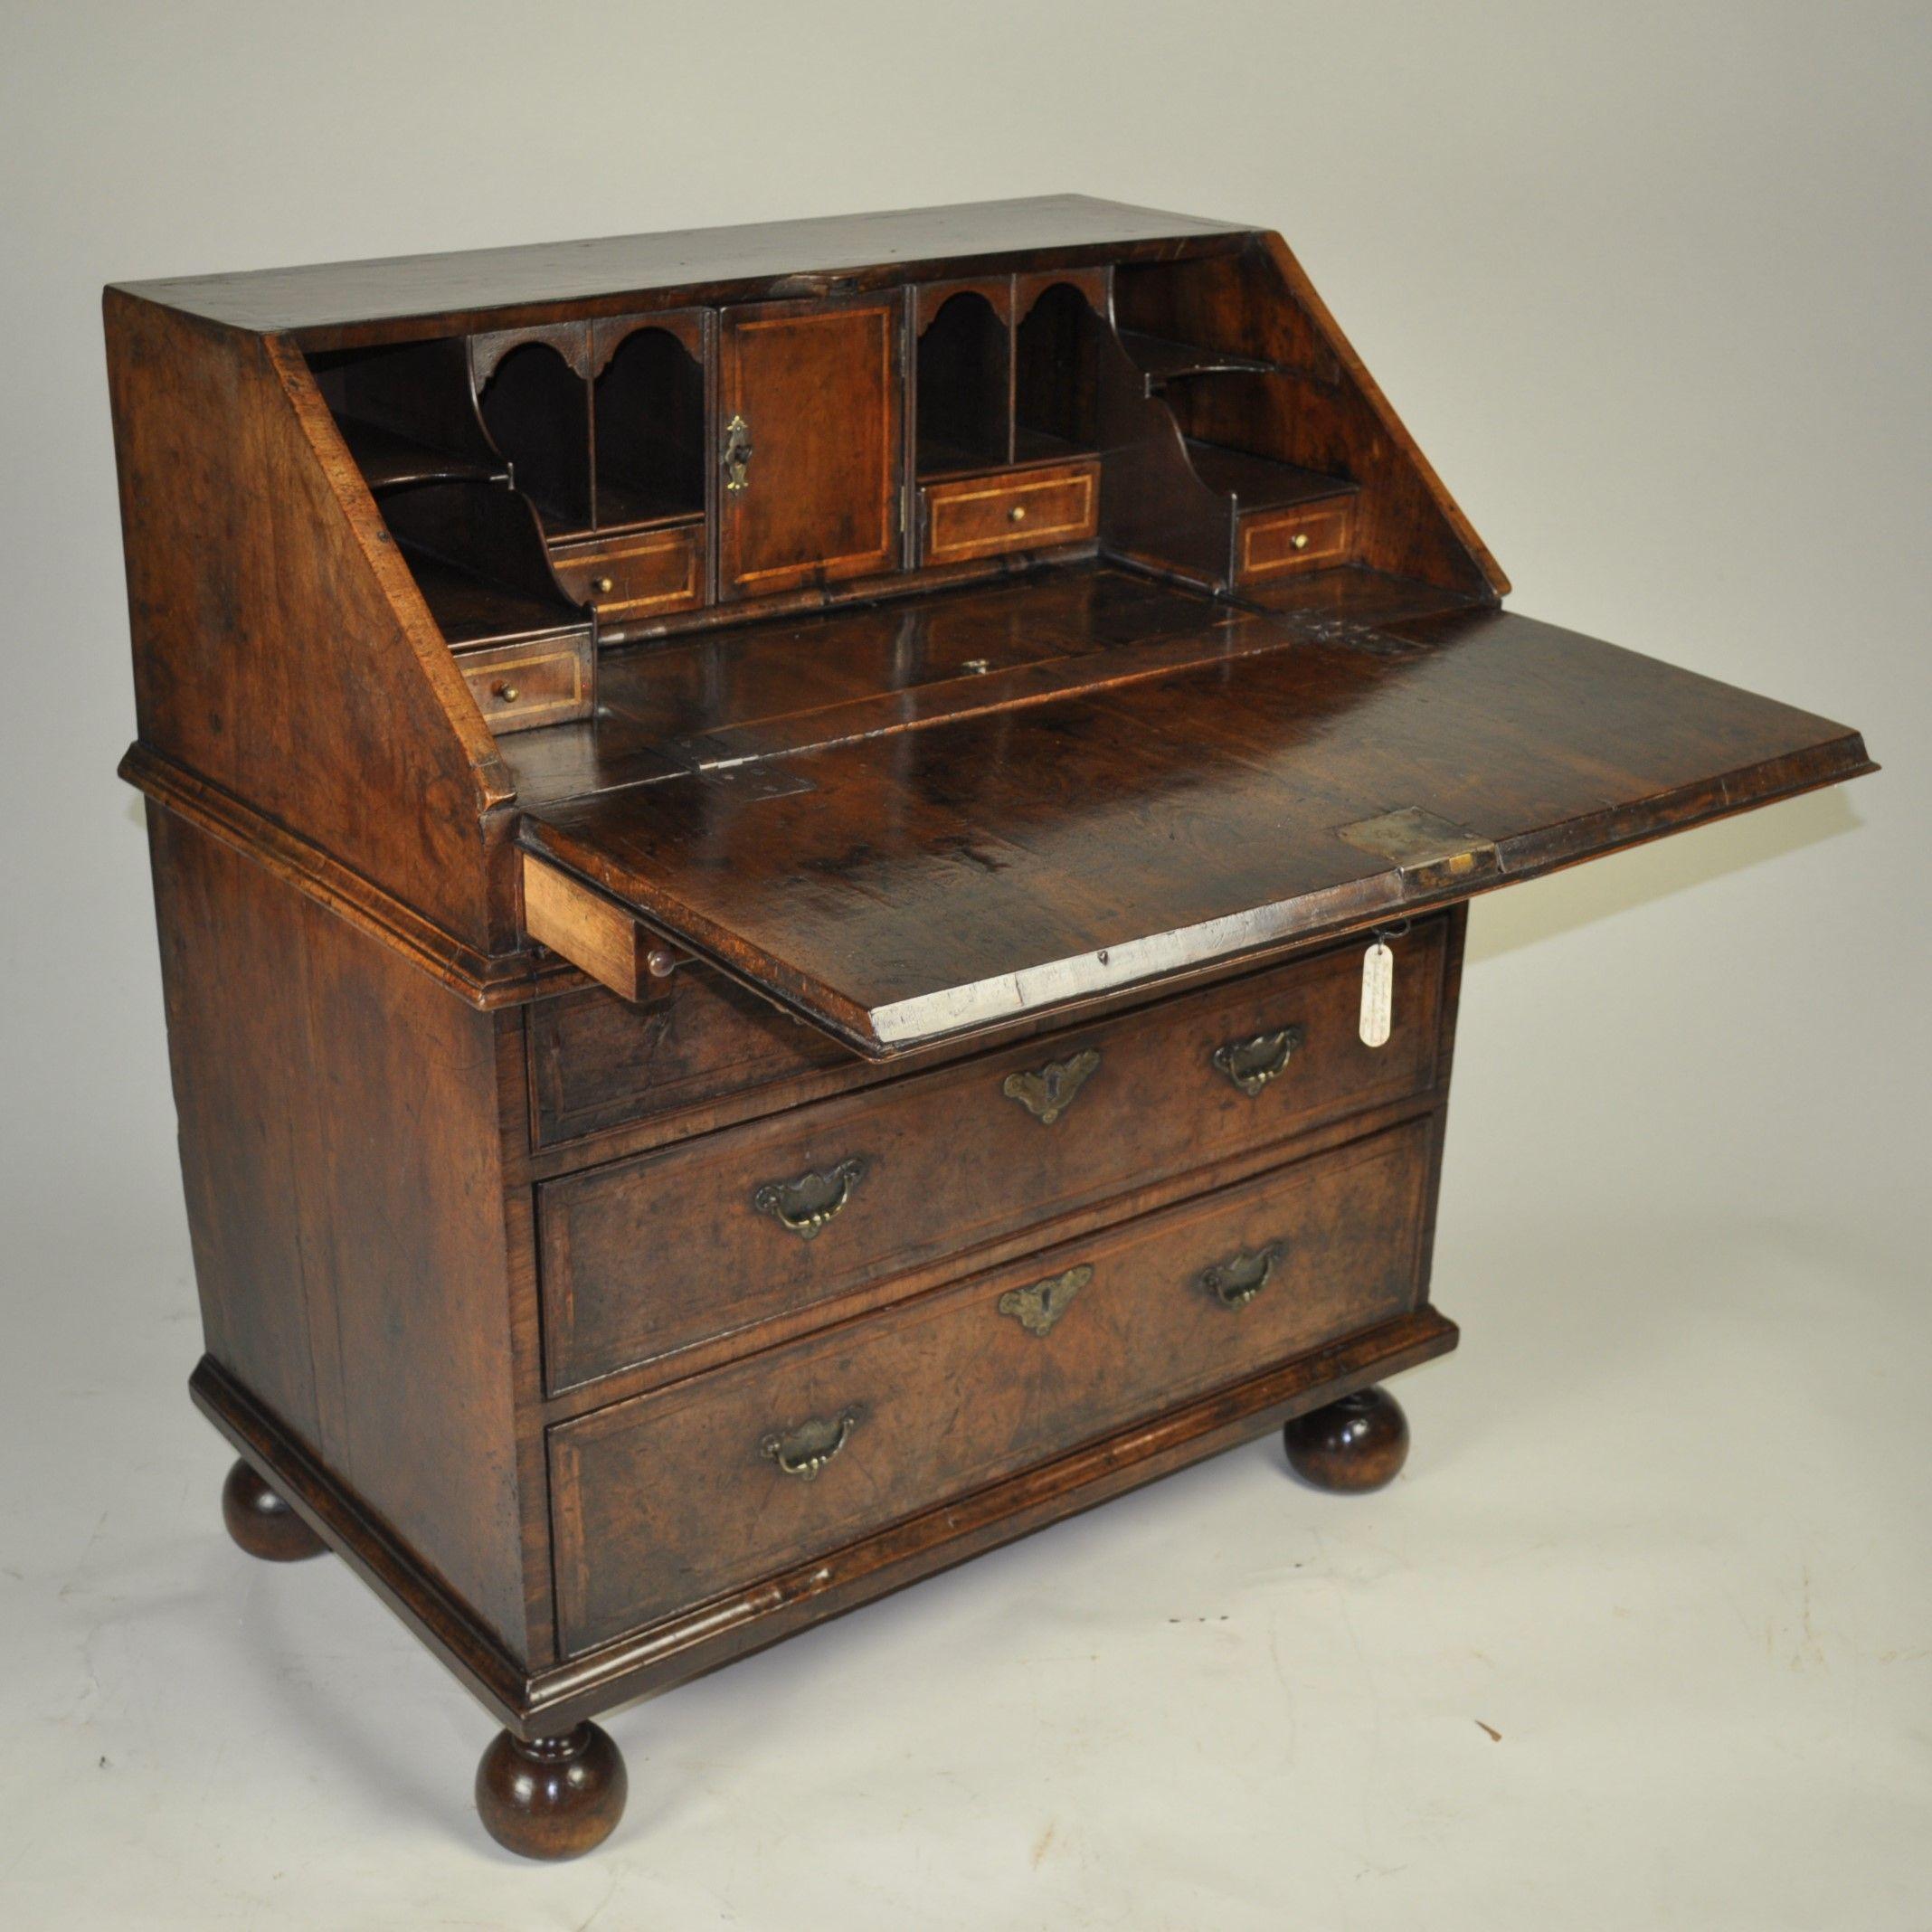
(1378, 994)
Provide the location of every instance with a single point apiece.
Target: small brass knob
(507, 692)
(1017, 514)
(605, 585)
(1301, 540)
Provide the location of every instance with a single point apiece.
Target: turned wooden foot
(262, 1523)
(551, 1798)
(1358, 1443)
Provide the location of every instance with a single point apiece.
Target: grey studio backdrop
(1640, 1637)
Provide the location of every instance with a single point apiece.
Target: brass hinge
(1423, 848)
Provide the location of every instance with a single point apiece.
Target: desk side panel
(281, 651)
(344, 1169)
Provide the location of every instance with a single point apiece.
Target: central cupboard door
(810, 443)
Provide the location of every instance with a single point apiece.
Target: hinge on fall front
(1428, 850)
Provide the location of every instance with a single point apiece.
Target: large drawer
(647, 1257)
(663, 1501)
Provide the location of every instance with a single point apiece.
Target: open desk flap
(904, 887)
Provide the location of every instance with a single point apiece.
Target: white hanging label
(1378, 993)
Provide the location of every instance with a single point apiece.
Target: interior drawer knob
(1299, 541)
(1235, 1282)
(1017, 514)
(811, 1202)
(507, 693)
(804, 1451)
(1251, 1064)
(605, 585)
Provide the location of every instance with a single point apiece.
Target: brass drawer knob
(507, 693)
(1017, 514)
(1049, 1092)
(1251, 1064)
(605, 585)
(804, 1451)
(809, 1203)
(1235, 1282)
(1299, 541)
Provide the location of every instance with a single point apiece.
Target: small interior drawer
(643, 573)
(642, 1258)
(1020, 510)
(663, 1500)
(1306, 536)
(542, 681)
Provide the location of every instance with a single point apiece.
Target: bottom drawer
(665, 1501)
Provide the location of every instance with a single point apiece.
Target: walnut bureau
(812, 885)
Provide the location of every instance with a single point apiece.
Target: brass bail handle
(1235, 1282)
(811, 1203)
(804, 1451)
(1251, 1064)
(737, 457)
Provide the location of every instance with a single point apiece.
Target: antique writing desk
(811, 887)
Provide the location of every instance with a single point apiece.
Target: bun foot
(1357, 1444)
(262, 1523)
(551, 1798)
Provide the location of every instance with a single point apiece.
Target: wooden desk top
(461, 287)
(1143, 781)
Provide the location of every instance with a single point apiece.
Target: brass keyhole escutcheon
(737, 455)
(1049, 1091)
(1042, 1303)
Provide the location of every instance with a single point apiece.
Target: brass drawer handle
(807, 1203)
(1040, 1305)
(1049, 1092)
(737, 458)
(1252, 1064)
(804, 1451)
(1235, 1282)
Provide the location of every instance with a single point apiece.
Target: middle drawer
(649, 1257)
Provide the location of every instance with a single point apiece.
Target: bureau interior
(612, 478)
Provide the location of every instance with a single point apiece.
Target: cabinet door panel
(817, 388)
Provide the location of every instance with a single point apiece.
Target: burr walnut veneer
(768, 846)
